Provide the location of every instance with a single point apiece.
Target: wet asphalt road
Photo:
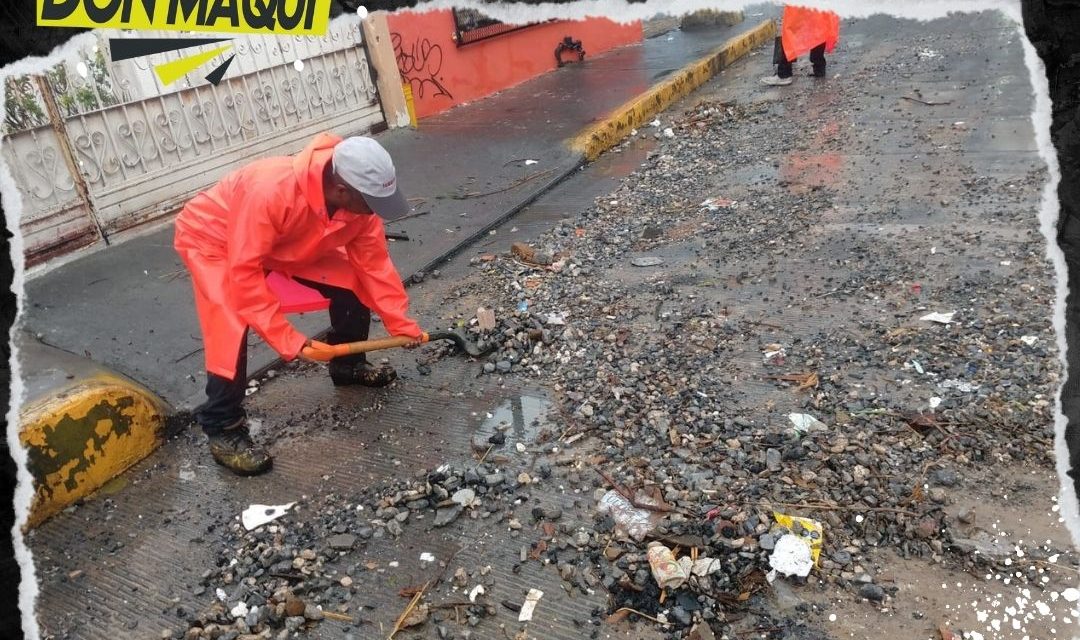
(139, 563)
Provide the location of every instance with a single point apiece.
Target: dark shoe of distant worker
(785, 67)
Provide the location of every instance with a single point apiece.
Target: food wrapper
(637, 523)
(809, 530)
(666, 570)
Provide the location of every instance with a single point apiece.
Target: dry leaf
(417, 616)
(899, 332)
(922, 422)
(537, 550)
(810, 382)
(917, 495)
(946, 633)
(523, 251)
(653, 496)
(617, 617)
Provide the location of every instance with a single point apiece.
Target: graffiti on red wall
(420, 64)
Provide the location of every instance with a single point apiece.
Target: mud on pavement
(825, 300)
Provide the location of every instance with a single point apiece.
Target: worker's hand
(414, 344)
(315, 351)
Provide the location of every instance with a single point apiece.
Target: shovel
(325, 352)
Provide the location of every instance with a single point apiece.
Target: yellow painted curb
(636, 112)
(85, 433)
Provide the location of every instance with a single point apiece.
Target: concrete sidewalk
(130, 307)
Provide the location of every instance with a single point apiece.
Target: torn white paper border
(619, 11)
(24, 488)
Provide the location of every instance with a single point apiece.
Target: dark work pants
(350, 321)
(784, 68)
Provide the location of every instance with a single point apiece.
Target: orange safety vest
(271, 215)
(804, 28)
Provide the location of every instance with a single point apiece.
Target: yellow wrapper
(814, 534)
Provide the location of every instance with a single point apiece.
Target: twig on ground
(407, 611)
(411, 215)
(450, 605)
(926, 102)
(833, 507)
(513, 185)
(187, 355)
(643, 615)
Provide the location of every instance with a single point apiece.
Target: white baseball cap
(366, 166)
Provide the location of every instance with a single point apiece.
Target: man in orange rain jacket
(803, 30)
(315, 217)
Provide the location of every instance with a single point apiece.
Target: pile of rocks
(907, 412)
(670, 382)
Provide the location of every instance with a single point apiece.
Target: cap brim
(390, 207)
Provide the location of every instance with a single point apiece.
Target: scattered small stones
(773, 360)
(447, 515)
(872, 592)
(342, 542)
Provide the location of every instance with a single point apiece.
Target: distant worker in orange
(803, 30)
(315, 218)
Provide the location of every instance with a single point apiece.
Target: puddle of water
(519, 418)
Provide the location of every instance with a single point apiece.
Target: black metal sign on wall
(471, 26)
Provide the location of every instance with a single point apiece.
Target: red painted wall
(443, 74)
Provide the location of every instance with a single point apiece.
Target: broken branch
(407, 611)
(513, 185)
(834, 507)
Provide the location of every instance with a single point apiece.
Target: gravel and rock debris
(729, 339)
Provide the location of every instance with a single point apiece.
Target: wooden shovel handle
(364, 346)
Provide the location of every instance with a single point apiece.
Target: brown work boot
(363, 373)
(233, 448)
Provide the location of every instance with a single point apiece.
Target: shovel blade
(462, 342)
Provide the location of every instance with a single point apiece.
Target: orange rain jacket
(271, 216)
(804, 28)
